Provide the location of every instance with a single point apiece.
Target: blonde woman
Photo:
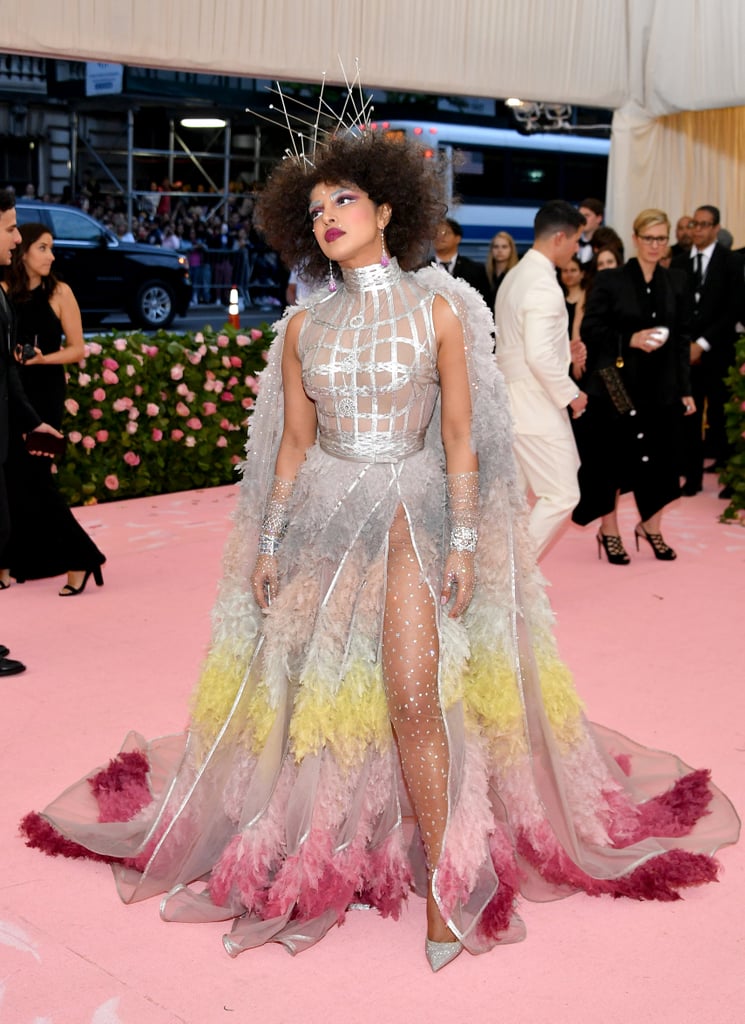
(636, 321)
(502, 257)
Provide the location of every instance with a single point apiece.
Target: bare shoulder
(62, 294)
(444, 315)
(448, 326)
(290, 345)
(296, 319)
(295, 323)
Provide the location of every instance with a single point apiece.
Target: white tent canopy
(650, 60)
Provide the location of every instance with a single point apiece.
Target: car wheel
(154, 306)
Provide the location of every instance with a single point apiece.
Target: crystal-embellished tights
(410, 660)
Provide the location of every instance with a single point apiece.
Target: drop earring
(384, 260)
(332, 282)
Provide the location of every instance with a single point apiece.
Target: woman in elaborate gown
(389, 652)
(46, 538)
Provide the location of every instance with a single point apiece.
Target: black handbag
(38, 442)
(614, 385)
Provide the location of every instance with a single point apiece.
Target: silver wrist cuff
(463, 538)
(268, 544)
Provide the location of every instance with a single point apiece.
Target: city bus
(499, 177)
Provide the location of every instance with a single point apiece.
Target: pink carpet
(657, 650)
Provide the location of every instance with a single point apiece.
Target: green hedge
(734, 474)
(149, 414)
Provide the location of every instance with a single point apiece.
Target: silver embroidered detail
(370, 364)
(370, 447)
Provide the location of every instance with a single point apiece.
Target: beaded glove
(265, 577)
(460, 572)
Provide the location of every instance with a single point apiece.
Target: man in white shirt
(534, 356)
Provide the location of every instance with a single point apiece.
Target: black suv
(149, 284)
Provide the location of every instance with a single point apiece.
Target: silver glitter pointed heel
(439, 954)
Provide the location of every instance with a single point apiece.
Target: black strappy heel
(661, 550)
(615, 551)
(69, 591)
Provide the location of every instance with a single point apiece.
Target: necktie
(445, 266)
(699, 270)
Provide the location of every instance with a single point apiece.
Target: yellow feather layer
(211, 703)
(355, 715)
(492, 699)
(354, 718)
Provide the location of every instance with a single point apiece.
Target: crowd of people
(217, 235)
(650, 426)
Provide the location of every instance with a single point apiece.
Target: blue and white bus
(500, 177)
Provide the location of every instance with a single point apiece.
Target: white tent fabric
(644, 58)
(684, 55)
(677, 163)
(537, 48)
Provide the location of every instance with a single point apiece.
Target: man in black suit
(714, 283)
(445, 243)
(13, 401)
(593, 210)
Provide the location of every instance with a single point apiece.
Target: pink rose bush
(192, 394)
(733, 476)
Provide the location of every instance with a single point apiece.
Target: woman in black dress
(46, 539)
(572, 281)
(635, 450)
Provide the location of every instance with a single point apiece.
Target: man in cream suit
(533, 354)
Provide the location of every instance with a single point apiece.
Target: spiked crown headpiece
(309, 127)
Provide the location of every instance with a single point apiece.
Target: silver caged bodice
(369, 362)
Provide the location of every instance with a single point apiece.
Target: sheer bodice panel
(370, 364)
